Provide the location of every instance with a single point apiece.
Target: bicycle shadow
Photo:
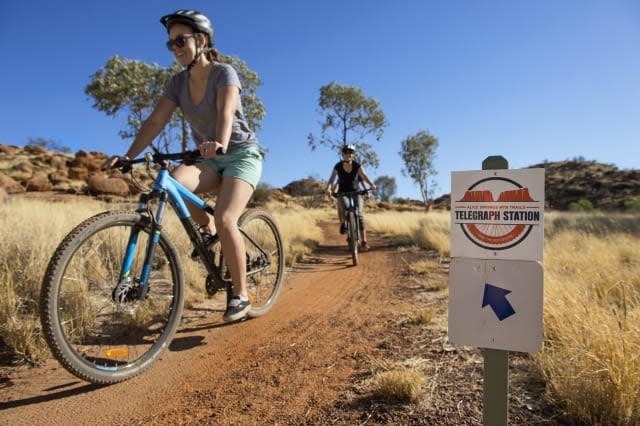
(61, 391)
(326, 257)
(89, 387)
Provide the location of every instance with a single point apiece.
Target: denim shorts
(243, 163)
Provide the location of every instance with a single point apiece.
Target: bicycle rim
(265, 260)
(92, 321)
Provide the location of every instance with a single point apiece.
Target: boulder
(100, 184)
(9, 185)
(34, 149)
(78, 173)
(39, 182)
(9, 149)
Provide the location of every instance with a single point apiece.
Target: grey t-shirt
(203, 116)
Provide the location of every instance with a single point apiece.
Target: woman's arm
(226, 105)
(365, 177)
(331, 179)
(150, 128)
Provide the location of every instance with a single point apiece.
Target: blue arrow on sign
(496, 298)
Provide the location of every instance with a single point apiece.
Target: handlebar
(347, 193)
(158, 157)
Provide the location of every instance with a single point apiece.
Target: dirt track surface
(309, 361)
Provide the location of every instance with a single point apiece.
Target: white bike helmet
(194, 19)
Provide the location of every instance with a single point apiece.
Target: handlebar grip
(219, 151)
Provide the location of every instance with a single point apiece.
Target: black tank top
(347, 181)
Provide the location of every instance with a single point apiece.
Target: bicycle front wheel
(93, 320)
(354, 238)
(265, 259)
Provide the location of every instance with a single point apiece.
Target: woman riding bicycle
(208, 93)
(349, 174)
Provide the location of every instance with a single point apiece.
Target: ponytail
(212, 54)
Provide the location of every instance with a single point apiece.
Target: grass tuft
(400, 385)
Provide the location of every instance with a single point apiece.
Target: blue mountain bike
(351, 212)
(113, 293)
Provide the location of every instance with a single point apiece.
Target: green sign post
(495, 409)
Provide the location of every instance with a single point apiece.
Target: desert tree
(385, 188)
(349, 117)
(417, 152)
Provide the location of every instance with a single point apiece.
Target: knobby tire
(354, 238)
(265, 259)
(95, 335)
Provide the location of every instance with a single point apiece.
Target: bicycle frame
(165, 188)
(352, 206)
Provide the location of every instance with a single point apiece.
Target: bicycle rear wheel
(93, 321)
(265, 259)
(353, 238)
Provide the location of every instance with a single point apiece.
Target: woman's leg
(233, 196)
(198, 178)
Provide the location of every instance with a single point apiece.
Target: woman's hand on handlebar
(211, 149)
(112, 162)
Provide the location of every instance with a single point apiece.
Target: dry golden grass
(393, 380)
(401, 385)
(420, 317)
(299, 227)
(429, 230)
(31, 230)
(591, 354)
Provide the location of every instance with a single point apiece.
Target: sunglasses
(347, 152)
(179, 41)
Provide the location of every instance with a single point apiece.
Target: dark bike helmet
(349, 148)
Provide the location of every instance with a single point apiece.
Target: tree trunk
(185, 134)
(425, 195)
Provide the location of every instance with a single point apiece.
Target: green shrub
(633, 205)
(582, 205)
(262, 194)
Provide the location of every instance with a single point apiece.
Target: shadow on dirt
(52, 396)
(179, 344)
(338, 256)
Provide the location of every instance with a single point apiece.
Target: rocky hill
(604, 186)
(35, 169)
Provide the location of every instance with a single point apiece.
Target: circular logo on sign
(497, 222)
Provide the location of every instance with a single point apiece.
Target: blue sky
(529, 80)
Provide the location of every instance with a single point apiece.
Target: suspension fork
(155, 222)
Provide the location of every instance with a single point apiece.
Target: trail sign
(497, 214)
(495, 280)
(496, 304)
